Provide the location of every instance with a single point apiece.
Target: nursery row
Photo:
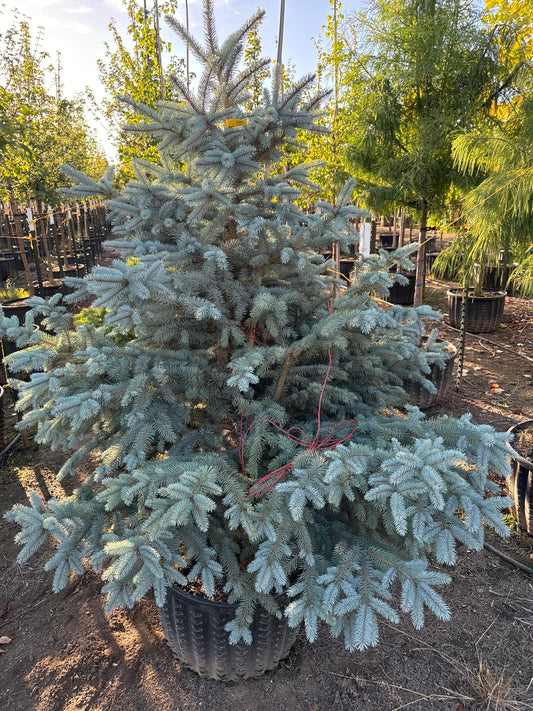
(47, 244)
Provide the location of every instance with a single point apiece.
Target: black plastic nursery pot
(483, 314)
(520, 483)
(346, 267)
(70, 271)
(441, 379)
(403, 294)
(16, 307)
(8, 267)
(194, 629)
(48, 289)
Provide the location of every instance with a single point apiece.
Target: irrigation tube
(500, 345)
(514, 562)
(15, 439)
(482, 338)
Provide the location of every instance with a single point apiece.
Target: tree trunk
(373, 235)
(401, 238)
(420, 260)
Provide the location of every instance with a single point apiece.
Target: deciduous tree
(430, 68)
(39, 131)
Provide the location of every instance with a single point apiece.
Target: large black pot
(520, 483)
(403, 294)
(441, 379)
(483, 314)
(194, 630)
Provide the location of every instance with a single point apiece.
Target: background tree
(253, 54)
(513, 22)
(498, 212)
(132, 69)
(40, 130)
(334, 56)
(429, 68)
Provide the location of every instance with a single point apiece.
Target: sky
(79, 28)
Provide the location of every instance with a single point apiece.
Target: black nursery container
(441, 379)
(403, 294)
(520, 483)
(194, 629)
(484, 313)
(346, 267)
(16, 307)
(8, 267)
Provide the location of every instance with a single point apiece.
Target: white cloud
(65, 25)
(115, 4)
(79, 10)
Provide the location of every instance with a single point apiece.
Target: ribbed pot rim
(487, 294)
(180, 592)
(516, 455)
(18, 302)
(184, 595)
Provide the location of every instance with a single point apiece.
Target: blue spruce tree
(242, 404)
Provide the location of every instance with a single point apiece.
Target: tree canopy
(134, 67)
(426, 70)
(38, 130)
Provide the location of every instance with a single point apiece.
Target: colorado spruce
(241, 410)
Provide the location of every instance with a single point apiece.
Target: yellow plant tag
(236, 122)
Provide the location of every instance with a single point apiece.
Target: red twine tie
(298, 436)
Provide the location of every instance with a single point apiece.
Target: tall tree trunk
(401, 238)
(373, 237)
(420, 260)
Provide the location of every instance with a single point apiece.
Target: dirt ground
(65, 654)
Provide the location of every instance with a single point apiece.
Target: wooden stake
(17, 220)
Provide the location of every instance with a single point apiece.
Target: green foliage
(334, 67)
(131, 69)
(499, 211)
(247, 429)
(10, 292)
(424, 70)
(38, 131)
(513, 525)
(252, 58)
(95, 317)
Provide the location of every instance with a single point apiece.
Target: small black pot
(520, 483)
(403, 294)
(441, 379)
(430, 258)
(346, 267)
(16, 307)
(8, 267)
(484, 313)
(194, 630)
